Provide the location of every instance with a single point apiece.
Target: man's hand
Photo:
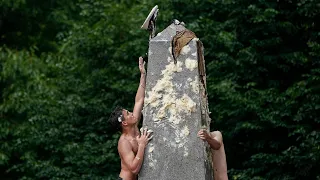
(141, 65)
(204, 135)
(214, 139)
(144, 138)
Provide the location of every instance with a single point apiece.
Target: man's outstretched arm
(139, 100)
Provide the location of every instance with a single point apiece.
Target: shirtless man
(219, 162)
(131, 144)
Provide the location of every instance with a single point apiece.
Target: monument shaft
(175, 108)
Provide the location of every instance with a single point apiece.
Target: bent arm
(133, 162)
(215, 141)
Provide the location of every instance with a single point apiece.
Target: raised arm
(139, 100)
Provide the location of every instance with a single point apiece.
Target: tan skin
(132, 143)
(219, 162)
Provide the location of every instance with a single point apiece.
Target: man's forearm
(137, 162)
(141, 89)
(139, 100)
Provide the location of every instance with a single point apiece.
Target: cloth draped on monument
(181, 39)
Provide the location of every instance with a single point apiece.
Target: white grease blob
(170, 50)
(167, 105)
(186, 104)
(195, 85)
(185, 50)
(151, 164)
(185, 131)
(185, 151)
(151, 149)
(150, 155)
(171, 68)
(191, 64)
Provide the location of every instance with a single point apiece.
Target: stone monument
(176, 108)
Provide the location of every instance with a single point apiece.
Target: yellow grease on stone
(150, 156)
(186, 104)
(163, 97)
(151, 148)
(185, 131)
(191, 64)
(195, 85)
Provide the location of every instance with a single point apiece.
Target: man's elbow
(216, 142)
(216, 145)
(135, 171)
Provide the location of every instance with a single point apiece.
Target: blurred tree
(66, 64)
(263, 81)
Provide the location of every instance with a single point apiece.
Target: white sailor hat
(154, 10)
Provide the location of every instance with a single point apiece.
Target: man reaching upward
(132, 143)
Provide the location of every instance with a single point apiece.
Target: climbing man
(132, 143)
(219, 162)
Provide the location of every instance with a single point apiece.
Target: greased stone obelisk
(175, 108)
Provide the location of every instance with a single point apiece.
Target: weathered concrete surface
(175, 109)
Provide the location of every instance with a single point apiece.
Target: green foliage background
(66, 64)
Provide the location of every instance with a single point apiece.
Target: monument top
(168, 33)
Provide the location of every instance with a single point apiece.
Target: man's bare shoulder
(217, 133)
(123, 144)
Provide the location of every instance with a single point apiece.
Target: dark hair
(113, 119)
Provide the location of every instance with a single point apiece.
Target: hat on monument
(146, 23)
